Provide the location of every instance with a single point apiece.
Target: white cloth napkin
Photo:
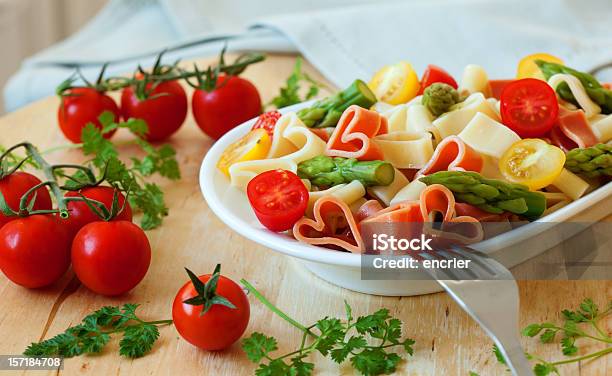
(344, 39)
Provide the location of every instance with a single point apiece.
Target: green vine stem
(25, 204)
(160, 73)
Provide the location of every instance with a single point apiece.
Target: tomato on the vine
(529, 107)
(164, 110)
(111, 258)
(211, 311)
(80, 106)
(433, 74)
(34, 250)
(278, 198)
(81, 214)
(233, 101)
(15, 185)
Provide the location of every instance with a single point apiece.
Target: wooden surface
(448, 342)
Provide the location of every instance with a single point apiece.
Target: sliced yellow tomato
(532, 162)
(254, 145)
(527, 67)
(395, 84)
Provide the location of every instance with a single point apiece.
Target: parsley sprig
(94, 333)
(583, 323)
(143, 195)
(290, 93)
(340, 339)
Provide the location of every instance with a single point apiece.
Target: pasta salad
(399, 150)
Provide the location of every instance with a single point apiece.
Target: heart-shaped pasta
(452, 154)
(334, 225)
(353, 134)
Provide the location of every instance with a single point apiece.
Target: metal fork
(488, 292)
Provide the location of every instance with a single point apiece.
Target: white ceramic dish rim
(289, 246)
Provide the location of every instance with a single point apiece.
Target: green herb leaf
(258, 346)
(93, 334)
(144, 196)
(340, 340)
(290, 93)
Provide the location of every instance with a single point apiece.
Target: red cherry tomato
(83, 105)
(529, 107)
(279, 199)
(218, 328)
(267, 121)
(434, 74)
(233, 101)
(81, 214)
(111, 258)
(15, 185)
(164, 110)
(34, 250)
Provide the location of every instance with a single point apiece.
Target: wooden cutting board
(448, 342)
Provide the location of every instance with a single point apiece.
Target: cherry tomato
(81, 214)
(532, 162)
(395, 84)
(164, 110)
(15, 185)
(254, 145)
(278, 198)
(111, 258)
(83, 105)
(220, 326)
(233, 101)
(433, 74)
(529, 107)
(527, 68)
(34, 250)
(267, 121)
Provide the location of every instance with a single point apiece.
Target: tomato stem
(275, 309)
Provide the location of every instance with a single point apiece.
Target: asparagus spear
(493, 196)
(327, 112)
(439, 98)
(598, 93)
(591, 162)
(326, 171)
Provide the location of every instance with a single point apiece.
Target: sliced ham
(574, 124)
(434, 199)
(453, 154)
(368, 209)
(352, 136)
(334, 226)
(497, 86)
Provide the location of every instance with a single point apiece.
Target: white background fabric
(345, 39)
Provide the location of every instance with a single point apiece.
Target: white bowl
(344, 269)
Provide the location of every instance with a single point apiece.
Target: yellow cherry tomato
(395, 84)
(527, 67)
(532, 162)
(254, 145)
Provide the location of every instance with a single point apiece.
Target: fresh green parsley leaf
(143, 196)
(341, 340)
(258, 346)
(93, 334)
(584, 322)
(290, 93)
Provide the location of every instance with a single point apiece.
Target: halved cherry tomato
(532, 162)
(279, 198)
(434, 74)
(529, 107)
(527, 67)
(267, 121)
(254, 145)
(395, 84)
